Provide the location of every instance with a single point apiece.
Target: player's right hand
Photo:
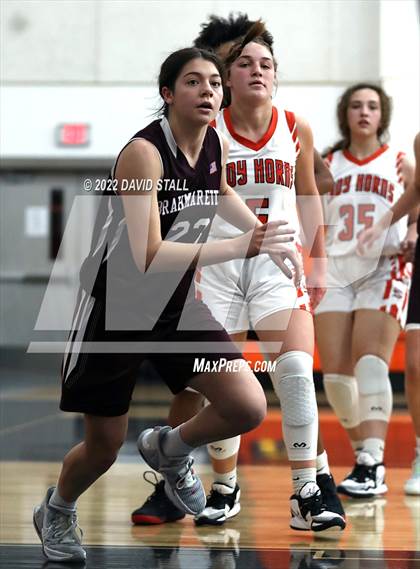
(268, 238)
(279, 258)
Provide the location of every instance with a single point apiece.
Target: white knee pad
(294, 386)
(343, 395)
(224, 449)
(375, 393)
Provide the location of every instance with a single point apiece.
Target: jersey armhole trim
(398, 166)
(124, 147)
(291, 123)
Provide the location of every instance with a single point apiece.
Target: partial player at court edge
(364, 309)
(409, 200)
(269, 149)
(137, 249)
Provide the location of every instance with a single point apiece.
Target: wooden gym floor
(34, 435)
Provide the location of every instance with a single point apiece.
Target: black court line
(121, 557)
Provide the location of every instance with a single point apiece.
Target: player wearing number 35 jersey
(364, 190)
(360, 317)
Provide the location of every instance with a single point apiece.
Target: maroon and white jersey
(364, 190)
(262, 173)
(187, 201)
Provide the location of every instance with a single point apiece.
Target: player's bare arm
(310, 211)
(140, 161)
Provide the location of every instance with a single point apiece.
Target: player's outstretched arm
(140, 163)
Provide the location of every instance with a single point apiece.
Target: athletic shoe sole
(372, 493)
(205, 521)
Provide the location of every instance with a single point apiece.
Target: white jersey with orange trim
(262, 173)
(364, 190)
(242, 292)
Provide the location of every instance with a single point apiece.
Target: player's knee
(343, 395)
(104, 452)
(294, 386)
(250, 413)
(375, 392)
(292, 379)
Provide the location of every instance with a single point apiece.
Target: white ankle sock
(301, 476)
(322, 466)
(173, 445)
(375, 447)
(227, 478)
(57, 502)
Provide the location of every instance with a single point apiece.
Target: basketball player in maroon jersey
(144, 239)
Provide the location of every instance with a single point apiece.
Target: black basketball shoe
(366, 480)
(308, 511)
(157, 509)
(221, 505)
(330, 499)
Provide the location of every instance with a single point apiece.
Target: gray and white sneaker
(59, 533)
(182, 486)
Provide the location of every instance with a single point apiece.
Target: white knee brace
(224, 449)
(343, 395)
(294, 386)
(375, 393)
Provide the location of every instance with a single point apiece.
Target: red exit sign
(73, 134)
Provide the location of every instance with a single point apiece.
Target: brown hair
(173, 64)
(256, 34)
(343, 105)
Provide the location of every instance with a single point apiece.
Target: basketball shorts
(242, 292)
(354, 283)
(413, 316)
(100, 366)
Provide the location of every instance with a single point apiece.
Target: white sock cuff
(227, 478)
(56, 501)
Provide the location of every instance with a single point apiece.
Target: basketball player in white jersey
(269, 149)
(405, 204)
(361, 315)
